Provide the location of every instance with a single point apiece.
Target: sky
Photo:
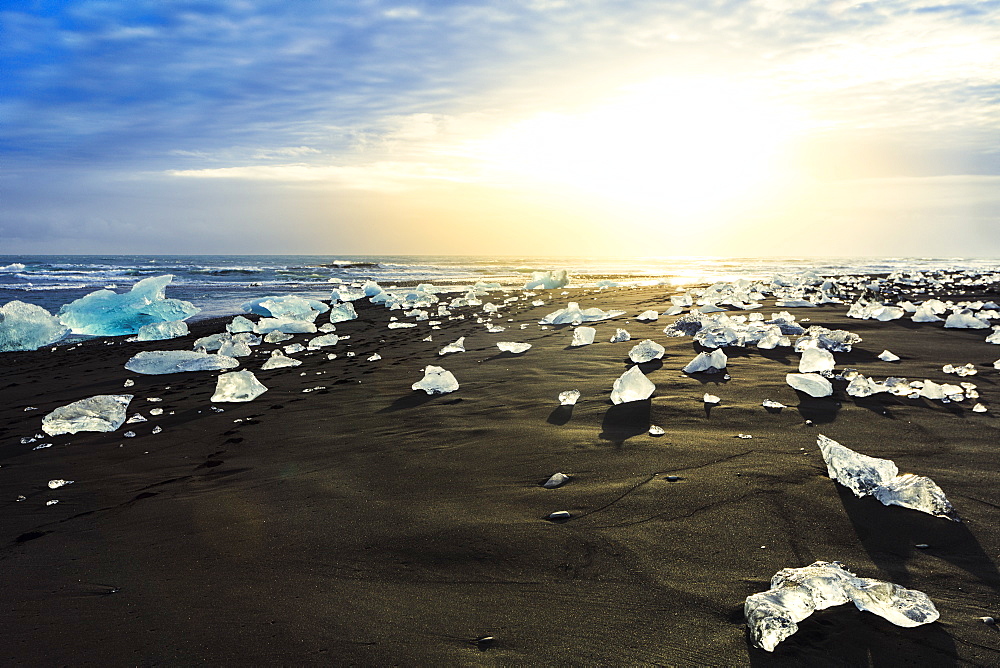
(523, 127)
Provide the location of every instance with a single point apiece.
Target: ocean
(218, 284)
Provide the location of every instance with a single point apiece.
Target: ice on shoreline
(103, 412)
(436, 380)
(28, 327)
(107, 313)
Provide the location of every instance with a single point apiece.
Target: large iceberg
(871, 476)
(107, 313)
(632, 386)
(104, 412)
(548, 280)
(436, 381)
(238, 386)
(796, 593)
(157, 362)
(28, 327)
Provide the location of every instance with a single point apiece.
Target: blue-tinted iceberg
(107, 313)
(157, 362)
(28, 327)
(104, 412)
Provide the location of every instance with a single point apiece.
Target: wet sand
(367, 524)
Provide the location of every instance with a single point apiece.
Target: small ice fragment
(323, 341)
(816, 359)
(59, 482)
(646, 351)
(135, 418)
(276, 336)
(632, 386)
(569, 397)
(21, 497)
(512, 347)
(559, 515)
(744, 436)
(293, 348)
(156, 411)
(436, 381)
(583, 336)
(768, 403)
(711, 398)
(557, 480)
(796, 593)
(979, 408)
(52, 502)
(331, 356)
(401, 325)
(887, 356)
(656, 431)
(456, 347)
(129, 434)
(871, 476)
(812, 384)
(237, 386)
(715, 361)
(647, 316)
(129, 383)
(42, 446)
(277, 360)
(375, 357)
(427, 338)
(104, 412)
(620, 335)
(157, 429)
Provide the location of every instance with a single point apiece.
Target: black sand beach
(363, 523)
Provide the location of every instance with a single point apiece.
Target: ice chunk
(293, 348)
(436, 381)
(239, 324)
(156, 362)
(979, 408)
(238, 386)
(932, 390)
(632, 386)
(290, 307)
(583, 336)
(323, 341)
(161, 331)
(620, 336)
(106, 313)
(656, 431)
(965, 320)
(968, 369)
(812, 384)
(861, 387)
(887, 356)
(235, 348)
(547, 280)
(557, 480)
(278, 360)
(59, 482)
(512, 347)
(569, 397)
(715, 361)
(343, 312)
(871, 476)
(816, 359)
(796, 593)
(647, 316)
(769, 403)
(455, 347)
(646, 351)
(574, 315)
(276, 336)
(710, 398)
(104, 412)
(924, 314)
(28, 327)
(284, 325)
(994, 337)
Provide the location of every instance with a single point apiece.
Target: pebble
(672, 478)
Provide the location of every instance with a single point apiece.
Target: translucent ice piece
(277, 360)
(715, 360)
(816, 359)
(569, 397)
(632, 386)
(239, 324)
(583, 336)
(343, 312)
(284, 325)
(323, 341)
(796, 593)
(160, 331)
(291, 307)
(620, 336)
(861, 387)
(548, 280)
(436, 381)
(28, 327)
(106, 313)
(512, 347)
(455, 347)
(812, 384)
(768, 403)
(237, 386)
(276, 337)
(647, 316)
(557, 480)
(104, 412)
(710, 398)
(887, 356)
(156, 362)
(964, 320)
(234, 348)
(59, 482)
(646, 351)
(574, 315)
(871, 476)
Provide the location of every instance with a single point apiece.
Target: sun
(674, 146)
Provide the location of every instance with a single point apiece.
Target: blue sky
(534, 126)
